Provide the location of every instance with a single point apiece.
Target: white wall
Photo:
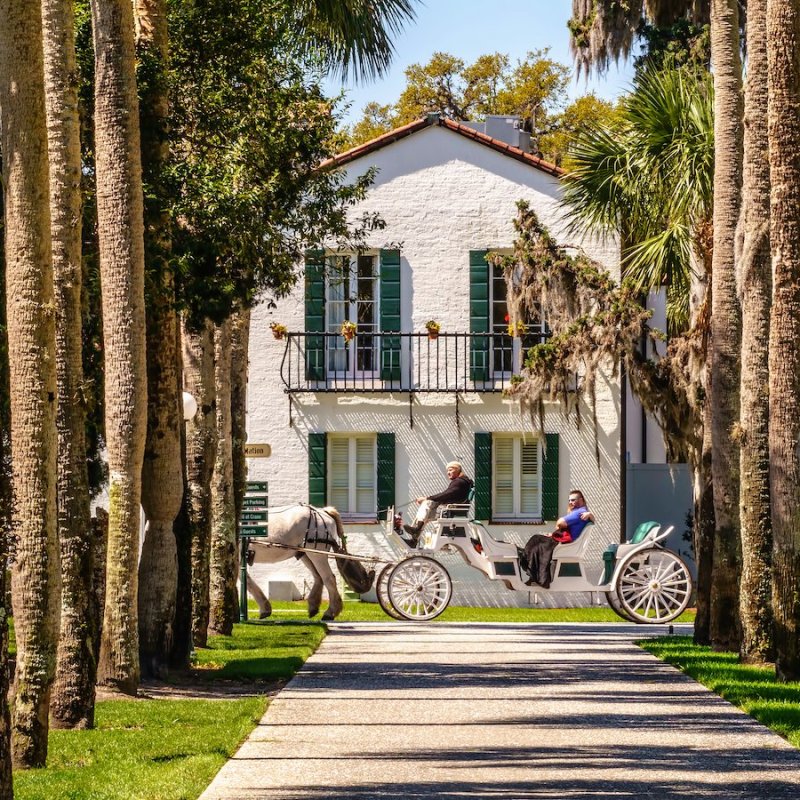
(441, 196)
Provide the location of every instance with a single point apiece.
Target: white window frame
(351, 304)
(352, 439)
(516, 515)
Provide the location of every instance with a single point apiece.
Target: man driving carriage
(457, 492)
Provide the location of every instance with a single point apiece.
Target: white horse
(315, 529)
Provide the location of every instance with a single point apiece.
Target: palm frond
(352, 38)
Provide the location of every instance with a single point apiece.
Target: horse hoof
(265, 614)
(328, 617)
(312, 612)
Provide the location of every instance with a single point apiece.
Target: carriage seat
(451, 510)
(576, 549)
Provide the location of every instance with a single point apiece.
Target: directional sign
(254, 530)
(257, 450)
(254, 516)
(254, 502)
(255, 487)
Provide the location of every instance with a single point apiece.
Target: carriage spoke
(655, 586)
(419, 588)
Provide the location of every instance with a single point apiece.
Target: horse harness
(313, 537)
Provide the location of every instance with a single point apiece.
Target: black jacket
(457, 492)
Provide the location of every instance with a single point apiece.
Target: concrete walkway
(502, 711)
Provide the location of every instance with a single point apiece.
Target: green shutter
(483, 476)
(550, 478)
(317, 469)
(479, 315)
(386, 480)
(315, 315)
(390, 314)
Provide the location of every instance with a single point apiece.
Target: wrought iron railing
(403, 362)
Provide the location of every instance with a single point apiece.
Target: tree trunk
(6, 788)
(98, 597)
(201, 448)
(240, 342)
(725, 323)
(72, 702)
(162, 476)
(121, 240)
(783, 35)
(222, 594)
(162, 484)
(754, 272)
(31, 354)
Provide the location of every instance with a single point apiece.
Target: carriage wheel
(381, 589)
(419, 588)
(654, 585)
(616, 606)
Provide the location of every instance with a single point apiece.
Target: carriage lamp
(189, 406)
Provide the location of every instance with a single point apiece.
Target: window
(352, 475)
(517, 477)
(351, 293)
(508, 351)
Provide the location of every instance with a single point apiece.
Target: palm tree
(602, 30)
(72, 703)
(783, 30)
(222, 594)
(201, 443)
(725, 344)
(349, 37)
(121, 240)
(31, 355)
(650, 182)
(755, 294)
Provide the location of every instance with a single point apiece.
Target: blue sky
(470, 28)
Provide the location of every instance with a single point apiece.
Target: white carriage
(642, 580)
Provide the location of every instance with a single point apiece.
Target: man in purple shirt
(571, 525)
(535, 558)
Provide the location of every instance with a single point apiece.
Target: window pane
(339, 477)
(503, 475)
(529, 478)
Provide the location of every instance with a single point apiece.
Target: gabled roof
(442, 122)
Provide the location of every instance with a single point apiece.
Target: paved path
(502, 711)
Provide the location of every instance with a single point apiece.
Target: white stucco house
(370, 423)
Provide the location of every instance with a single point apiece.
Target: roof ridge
(430, 120)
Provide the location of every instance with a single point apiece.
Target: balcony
(403, 362)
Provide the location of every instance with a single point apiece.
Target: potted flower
(348, 330)
(432, 326)
(517, 329)
(278, 330)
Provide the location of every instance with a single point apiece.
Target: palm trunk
(31, 354)
(725, 323)
(201, 444)
(222, 595)
(240, 342)
(72, 703)
(6, 788)
(162, 484)
(755, 290)
(783, 33)
(121, 239)
(162, 477)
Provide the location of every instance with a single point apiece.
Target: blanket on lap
(535, 559)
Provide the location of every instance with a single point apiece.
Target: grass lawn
(170, 749)
(753, 689)
(355, 611)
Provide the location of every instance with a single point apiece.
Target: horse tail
(337, 518)
(355, 575)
